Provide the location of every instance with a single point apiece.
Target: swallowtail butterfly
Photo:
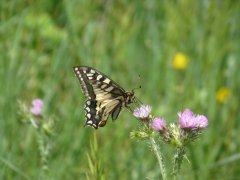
(104, 96)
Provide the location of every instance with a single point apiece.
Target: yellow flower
(222, 94)
(180, 61)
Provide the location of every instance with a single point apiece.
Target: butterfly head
(130, 97)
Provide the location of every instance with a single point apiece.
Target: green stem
(177, 162)
(44, 155)
(159, 157)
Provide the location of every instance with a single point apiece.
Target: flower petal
(202, 121)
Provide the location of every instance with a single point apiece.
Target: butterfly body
(104, 96)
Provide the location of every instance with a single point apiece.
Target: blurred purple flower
(37, 102)
(159, 124)
(37, 107)
(36, 110)
(188, 120)
(142, 112)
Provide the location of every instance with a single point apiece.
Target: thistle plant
(179, 135)
(44, 130)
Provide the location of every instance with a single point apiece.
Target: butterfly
(104, 96)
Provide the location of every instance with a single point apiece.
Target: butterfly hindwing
(116, 112)
(92, 119)
(104, 96)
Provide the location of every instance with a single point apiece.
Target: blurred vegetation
(40, 42)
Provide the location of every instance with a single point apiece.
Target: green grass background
(40, 42)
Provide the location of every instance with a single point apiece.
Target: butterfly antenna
(139, 77)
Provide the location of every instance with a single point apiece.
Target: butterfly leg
(129, 109)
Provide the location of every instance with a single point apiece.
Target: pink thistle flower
(36, 110)
(159, 124)
(37, 107)
(37, 102)
(143, 112)
(188, 120)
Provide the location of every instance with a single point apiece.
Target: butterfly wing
(95, 84)
(104, 96)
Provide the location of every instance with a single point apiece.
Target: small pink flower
(36, 110)
(188, 120)
(37, 102)
(159, 124)
(37, 107)
(142, 112)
